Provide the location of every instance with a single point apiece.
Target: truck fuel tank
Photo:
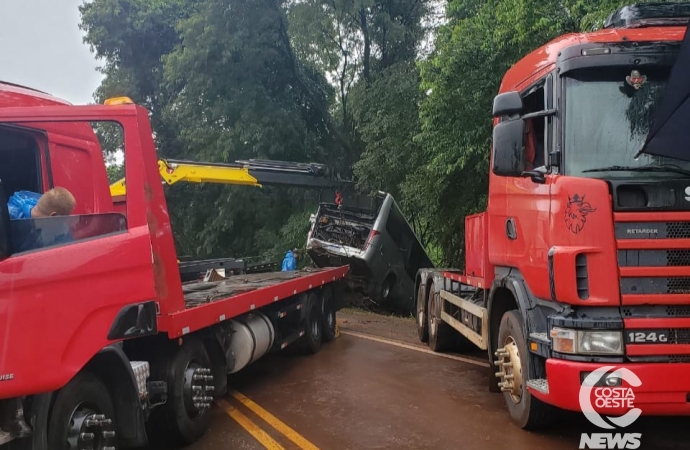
(249, 338)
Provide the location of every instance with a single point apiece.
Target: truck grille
(678, 230)
(653, 258)
(658, 295)
(657, 311)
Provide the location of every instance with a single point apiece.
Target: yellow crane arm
(173, 172)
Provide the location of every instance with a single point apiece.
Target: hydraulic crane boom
(253, 172)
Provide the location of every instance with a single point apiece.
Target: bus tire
(83, 409)
(387, 287)
(526, 411)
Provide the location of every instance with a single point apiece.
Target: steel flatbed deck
(212, 302)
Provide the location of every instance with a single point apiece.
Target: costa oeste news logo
(602, 396)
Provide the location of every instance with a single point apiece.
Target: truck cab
(581, 259)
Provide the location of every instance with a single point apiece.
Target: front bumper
(664, 389)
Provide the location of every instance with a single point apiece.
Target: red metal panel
(656, 216)
(57, 305)
(663, 390)
(190, 320)
(464, 279)
(660, 322)
(653, 244)
(544, 58)
(476, 251)
(581, 223)
(657, 349)
(661, 271)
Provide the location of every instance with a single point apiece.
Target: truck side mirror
(507, 104)
(509, 156)
(5, 237)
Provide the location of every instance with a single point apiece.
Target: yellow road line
(252, 428)
(476, 362)
(291, 434)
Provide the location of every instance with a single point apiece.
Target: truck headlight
(579, 342)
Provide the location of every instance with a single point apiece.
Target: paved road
(364, 392)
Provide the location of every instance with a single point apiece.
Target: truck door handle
(511, 231)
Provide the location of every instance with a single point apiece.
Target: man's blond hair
(57, 200)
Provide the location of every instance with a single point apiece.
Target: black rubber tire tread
(389, 281)
(329, 329)
(530, 413)
(85, 387)
(444, 338)
(170, 423)
(422, 305)
(310, 343)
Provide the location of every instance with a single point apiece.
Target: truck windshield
(608, 113)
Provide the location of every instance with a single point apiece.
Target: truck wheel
(310, 343)
(82, 416)
(328, 313)
(422, 308)
(440, 333)
(185, 416)
(512, 359)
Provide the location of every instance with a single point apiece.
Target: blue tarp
(21, 203)
(289, 263)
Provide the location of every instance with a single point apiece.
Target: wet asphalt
(362, 394)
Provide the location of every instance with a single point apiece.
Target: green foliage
(332, 81)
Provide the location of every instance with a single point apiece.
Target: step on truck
(582, 257)
(103, 347)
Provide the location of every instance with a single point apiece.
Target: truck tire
(525, 410)
(310, 343)
(185, 416)
(328, 313)
(82, 416)
(422, 308)
(440, 333)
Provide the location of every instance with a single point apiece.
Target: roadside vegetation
(396, 93)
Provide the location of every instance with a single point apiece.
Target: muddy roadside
(378, 323)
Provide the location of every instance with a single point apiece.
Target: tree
(222, 83)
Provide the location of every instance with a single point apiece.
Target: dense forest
(396, 94)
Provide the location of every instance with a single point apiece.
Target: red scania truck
(101, 344)
(582, 258)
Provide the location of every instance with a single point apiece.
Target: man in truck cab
(55, 202)
(30, 235)
(534, 144)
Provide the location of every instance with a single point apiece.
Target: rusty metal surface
(198, 293)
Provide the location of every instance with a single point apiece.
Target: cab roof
(12, 95)
(542, 60)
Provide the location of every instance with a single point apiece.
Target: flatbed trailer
(128, 353)
(206, 302)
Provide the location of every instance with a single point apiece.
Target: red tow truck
(582, 258)
(101, 344)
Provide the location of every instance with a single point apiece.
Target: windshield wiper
(657, 168)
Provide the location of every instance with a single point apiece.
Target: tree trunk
(367, 43)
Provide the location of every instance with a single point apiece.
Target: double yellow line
(252, 428)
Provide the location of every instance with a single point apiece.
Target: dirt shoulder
(392, 327)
